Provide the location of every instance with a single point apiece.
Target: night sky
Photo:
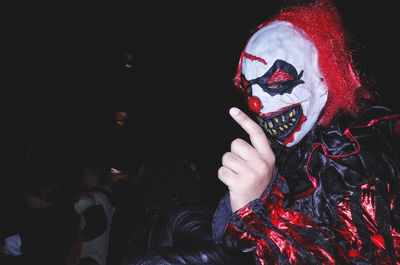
(65, 77)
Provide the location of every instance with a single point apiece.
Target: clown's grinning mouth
(281, 124)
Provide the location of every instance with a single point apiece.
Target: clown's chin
(282, 124)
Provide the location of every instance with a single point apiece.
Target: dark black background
(63, 76)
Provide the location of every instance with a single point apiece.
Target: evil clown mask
(285, 86)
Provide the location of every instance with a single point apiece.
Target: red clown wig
(321, 23)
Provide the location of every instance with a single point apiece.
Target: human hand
(247, 169)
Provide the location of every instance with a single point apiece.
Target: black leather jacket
(179, 233)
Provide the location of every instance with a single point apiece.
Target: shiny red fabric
(262, 251)
(247, 239)
(397, 130)
(369, 207)
(395, 233)
(350, 230)
(396, 242)
(253, 221)
(369, 216)
(286, 222)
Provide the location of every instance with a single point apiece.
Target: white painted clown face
(286, 89)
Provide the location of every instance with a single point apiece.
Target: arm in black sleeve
(186, 238)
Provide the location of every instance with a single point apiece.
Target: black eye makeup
(281, 78)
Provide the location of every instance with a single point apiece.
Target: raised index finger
(257, 136)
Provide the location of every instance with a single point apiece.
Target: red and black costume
(333, 200)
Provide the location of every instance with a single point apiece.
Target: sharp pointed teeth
(280, 123)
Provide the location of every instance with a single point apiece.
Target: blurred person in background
(166, 221)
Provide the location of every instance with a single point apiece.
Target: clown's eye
(279, 79)
(278, 84)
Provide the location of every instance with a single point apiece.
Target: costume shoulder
(376, 130)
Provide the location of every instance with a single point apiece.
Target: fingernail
(234, 111)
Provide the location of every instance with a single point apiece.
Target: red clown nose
(255, 104)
